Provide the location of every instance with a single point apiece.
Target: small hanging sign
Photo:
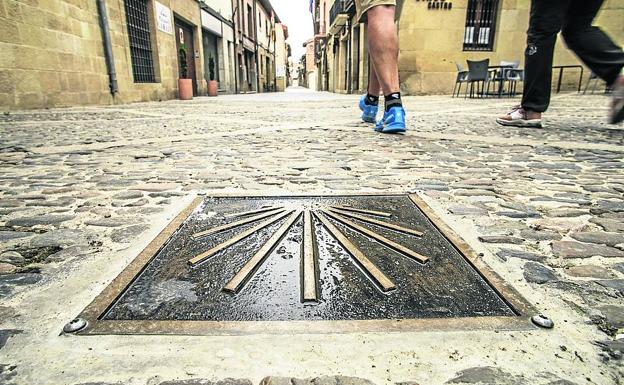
(163, 18)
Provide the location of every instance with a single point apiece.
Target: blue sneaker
(393, 121)
(369, 112)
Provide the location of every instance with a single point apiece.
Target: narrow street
(83, 190)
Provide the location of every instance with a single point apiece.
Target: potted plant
(212, 83)
(185, 85)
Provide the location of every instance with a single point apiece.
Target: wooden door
(184, 37)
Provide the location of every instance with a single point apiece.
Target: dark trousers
(574, 19)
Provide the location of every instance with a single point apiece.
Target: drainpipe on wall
(274, 38)
(236, 64)
(349, 85)
(108, 48)
(255, 29)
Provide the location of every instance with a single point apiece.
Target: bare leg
(617, 104)
(373, 81)
(383, 44)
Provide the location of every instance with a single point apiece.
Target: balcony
(339, 14)
(321, 32)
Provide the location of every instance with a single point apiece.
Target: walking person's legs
(596, 50)
(373, 82)
(383, 47)
(546, 20)
(369, 103)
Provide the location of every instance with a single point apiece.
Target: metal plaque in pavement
(235, 264)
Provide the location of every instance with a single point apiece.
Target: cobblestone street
(83, 190)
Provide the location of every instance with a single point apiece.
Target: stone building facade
(255, 22)
(282, 53)
(218, 43)
(434, 35)
(266, 38)
(53, 52)
(309, 75)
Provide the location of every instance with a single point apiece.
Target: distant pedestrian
(383, 46)
(574, 19)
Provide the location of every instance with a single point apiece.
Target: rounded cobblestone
(83, 183)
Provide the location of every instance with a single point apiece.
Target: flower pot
(185, 89)
(212, 87)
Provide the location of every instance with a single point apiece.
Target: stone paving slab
(82, 190)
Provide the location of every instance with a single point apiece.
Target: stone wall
(431, 42)
(281, 56)
(53, 55)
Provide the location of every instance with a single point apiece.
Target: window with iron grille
(139, 32)
(480, 25)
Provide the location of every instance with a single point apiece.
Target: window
(480, 25)
(323, 21)
(239, 11)
(250, 22)
(139, 33)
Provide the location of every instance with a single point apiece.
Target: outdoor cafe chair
(594, 78)
(512, 77)
(462, 77)
(479, 73)
(510, 64)
(501, 75)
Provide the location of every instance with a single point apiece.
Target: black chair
(479, 73)
(594, 78)
(462, 77)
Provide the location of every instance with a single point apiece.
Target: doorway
(250, 66)
(185, 41)
(211, 50)
(355, 73)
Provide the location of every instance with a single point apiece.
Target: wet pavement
(84, 190)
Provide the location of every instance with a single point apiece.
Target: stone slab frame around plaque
(246, 264)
